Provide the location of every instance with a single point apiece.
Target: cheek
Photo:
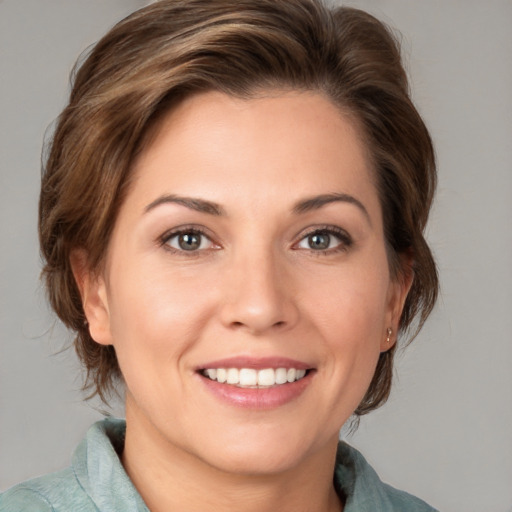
(350, 299)
(349, 311)
(154, 315)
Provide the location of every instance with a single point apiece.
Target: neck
(170, 478)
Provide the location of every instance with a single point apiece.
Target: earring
(389, 332)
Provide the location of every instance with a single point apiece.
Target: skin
(255, 287)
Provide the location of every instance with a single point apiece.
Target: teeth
(248, 377)
(212, 374)
(300, 374)
(281, 375)
(251, 378)
(267, 377)
(221, 375)
(233, 376)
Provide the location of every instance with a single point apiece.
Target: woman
(232, 217)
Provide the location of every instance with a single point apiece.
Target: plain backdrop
(445, 434)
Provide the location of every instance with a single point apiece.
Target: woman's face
(249, 251)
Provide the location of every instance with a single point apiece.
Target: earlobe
(93, 292)
(399, 289)
(389, 340)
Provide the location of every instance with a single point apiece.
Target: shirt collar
(98, 468)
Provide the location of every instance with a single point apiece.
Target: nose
(259, 295)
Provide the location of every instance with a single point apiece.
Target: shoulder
(365, 491)
(75, 488)
(57, 492)
(95, 481)
(22, 498)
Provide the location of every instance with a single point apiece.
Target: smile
(252, 378)
(257, 383)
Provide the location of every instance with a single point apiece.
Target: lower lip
(258, 398)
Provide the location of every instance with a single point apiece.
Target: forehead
(278, 146)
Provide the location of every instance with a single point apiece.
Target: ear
(93, 292)
(399, 288)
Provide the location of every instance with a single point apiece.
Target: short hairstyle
(173, 48)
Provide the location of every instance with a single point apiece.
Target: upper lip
(257, 363)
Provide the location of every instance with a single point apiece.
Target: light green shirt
(96, 481)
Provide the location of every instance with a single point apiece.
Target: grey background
(445, 434)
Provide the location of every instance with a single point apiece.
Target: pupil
(189, 241)
(319, 241)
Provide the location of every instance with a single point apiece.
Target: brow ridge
(316, 202)
(199, 205)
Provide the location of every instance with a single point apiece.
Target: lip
(256, 363)
(257, 398)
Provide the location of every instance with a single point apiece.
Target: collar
(97, 467)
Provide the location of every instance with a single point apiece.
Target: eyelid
(187, 228)
(341, 234)
(346, 240)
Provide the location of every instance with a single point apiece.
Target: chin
(261, 453)
(256, 462)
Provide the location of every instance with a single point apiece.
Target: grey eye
(319, 241)
(325, 240)
(188, 241)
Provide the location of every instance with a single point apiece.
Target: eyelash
(184, 230)
(345, 240)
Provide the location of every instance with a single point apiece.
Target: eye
(325, 240)
(189, 240)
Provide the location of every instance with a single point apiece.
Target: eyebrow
(199, 205)
(303, 206)
(316, 202)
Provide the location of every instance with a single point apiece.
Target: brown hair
(174, 48)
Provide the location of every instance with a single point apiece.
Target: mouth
(256, 383)
(252, 378)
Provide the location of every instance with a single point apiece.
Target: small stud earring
(390, 332)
